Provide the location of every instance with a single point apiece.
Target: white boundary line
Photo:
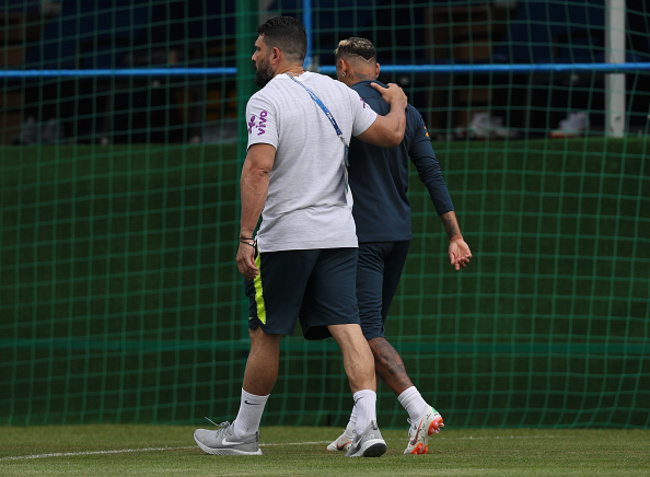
(141, 449)
(72, 454)
(160, 449)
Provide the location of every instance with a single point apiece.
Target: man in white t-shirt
(302, 262)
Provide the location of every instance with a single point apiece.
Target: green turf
(301, 451)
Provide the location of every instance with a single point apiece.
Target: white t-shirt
(309, 205)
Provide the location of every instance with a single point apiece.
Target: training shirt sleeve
(362, 115)
(261, 121)
(425, 161)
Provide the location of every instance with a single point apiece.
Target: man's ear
(343, 65)
(275, 55)
(377, 68)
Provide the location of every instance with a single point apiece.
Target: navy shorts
(316, 287)
(378, 274)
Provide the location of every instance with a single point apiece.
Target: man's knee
(260, 339)
(382, 350)
(378, 343)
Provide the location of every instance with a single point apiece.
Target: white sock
(413, 402)
(351, 428)
(365, 402)
(250, 413)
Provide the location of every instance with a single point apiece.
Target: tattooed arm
(459, 252)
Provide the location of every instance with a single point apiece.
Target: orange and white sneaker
(421, 429)
(341, 444)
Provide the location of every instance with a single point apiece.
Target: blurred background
(121, 143)
(124, 35)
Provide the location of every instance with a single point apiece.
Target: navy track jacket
(378, 176)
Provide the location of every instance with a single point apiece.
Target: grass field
(108, 450)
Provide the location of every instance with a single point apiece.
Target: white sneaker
(576, 124)
(369, 444)
(421, 429)
(342, 443)
(223, 441)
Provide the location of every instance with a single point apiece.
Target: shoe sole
(224, 451)
(435, 425)
(372, 448)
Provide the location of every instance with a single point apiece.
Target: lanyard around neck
(324, 108)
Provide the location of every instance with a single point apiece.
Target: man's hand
(246, 261)
(388, 131)
(393, 95)
(459, 253)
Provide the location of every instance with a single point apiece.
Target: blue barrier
(482, 69)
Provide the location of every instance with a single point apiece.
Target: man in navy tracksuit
(378, 179)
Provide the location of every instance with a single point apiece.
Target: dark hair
(286, 33)
(355, 46)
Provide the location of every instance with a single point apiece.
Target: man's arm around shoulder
(388, 131)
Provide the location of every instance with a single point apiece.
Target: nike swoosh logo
(251, 403)
(415, 439)
(225, 442)
(342, 447)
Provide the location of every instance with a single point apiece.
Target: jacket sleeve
(424, 158)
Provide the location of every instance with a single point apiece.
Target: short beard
(263, 75)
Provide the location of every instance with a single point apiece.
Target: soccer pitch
(108, 450)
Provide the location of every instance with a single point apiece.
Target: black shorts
(378, 274)
(316, 286)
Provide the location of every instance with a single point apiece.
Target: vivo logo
(261, 124)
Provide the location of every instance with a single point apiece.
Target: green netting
(119, 296)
